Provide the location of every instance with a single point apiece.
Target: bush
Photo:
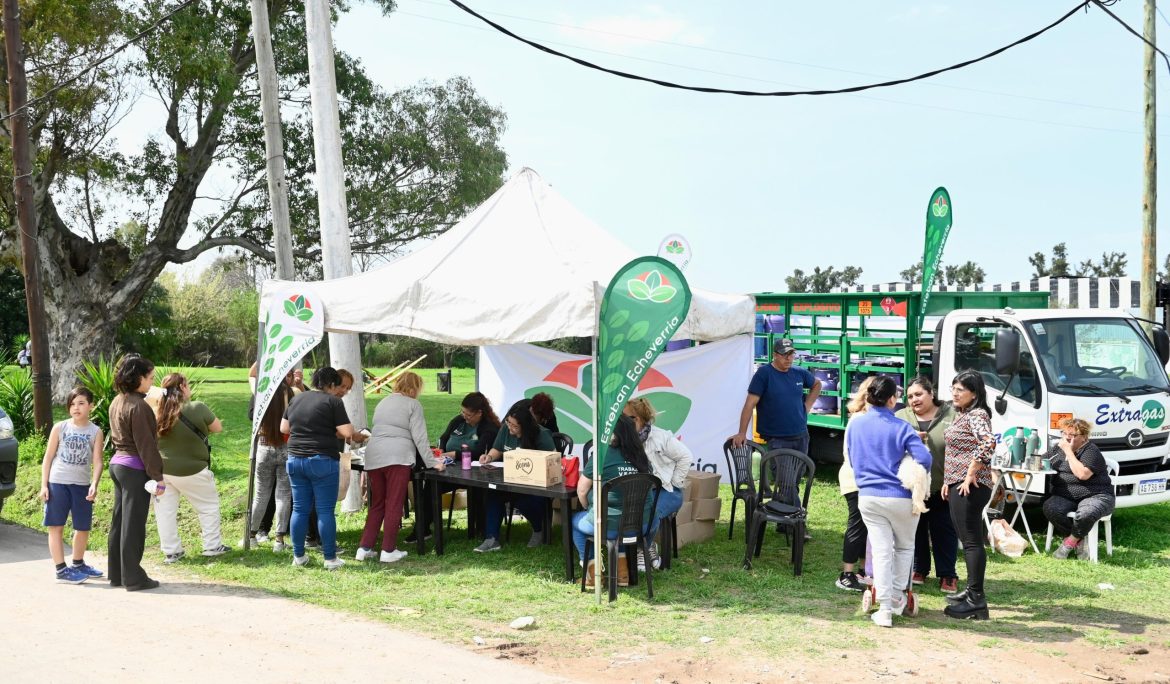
(32, 449)
(16, 398)
(98, 377)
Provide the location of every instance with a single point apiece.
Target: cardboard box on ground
(696, 518)
(459, 494)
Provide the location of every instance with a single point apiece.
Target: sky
(1039, 145)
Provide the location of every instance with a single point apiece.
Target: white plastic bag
(1006, 540)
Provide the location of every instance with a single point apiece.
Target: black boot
(974, 607)
(958, 596)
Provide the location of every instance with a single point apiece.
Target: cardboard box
(695, 532)
(707, 509)
(685, 513)
(532, 467)
(460, 499)
(702, 485)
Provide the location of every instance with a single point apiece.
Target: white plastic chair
(1092, 541)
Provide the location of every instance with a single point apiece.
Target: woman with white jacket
(400, 432)
(671, 461)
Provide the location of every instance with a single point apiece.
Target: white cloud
(651, 23)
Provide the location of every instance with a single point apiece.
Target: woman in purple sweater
(877, 441)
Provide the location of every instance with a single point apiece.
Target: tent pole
(596, 452)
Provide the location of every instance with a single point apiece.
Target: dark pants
(853, 550)
(798, 442)
(1089, 510)
(532, 507)
(967, 514)
(387, 494)
(128, 527)
(936, 533)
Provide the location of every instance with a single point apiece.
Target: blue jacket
(877, 441)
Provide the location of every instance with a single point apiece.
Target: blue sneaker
(70, 575)
(88, 570)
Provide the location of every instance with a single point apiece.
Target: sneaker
(918, 578)
(261, 537)
(883, 618)
(489, 544)
(1083, 550)
(312, 543)
(1066, 547)
(301, 561)
(365, 554)
(87, 570)
(655, 559)
(334, 564)
(174, 557)
(865, 579)
(412, 538)
(70, 575)
(900, 607)
(217, 551)
(949, 585)
(536, 540)
(278, 546)
(392, 556)
(849, 582)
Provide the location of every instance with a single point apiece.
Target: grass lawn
(1035, 599)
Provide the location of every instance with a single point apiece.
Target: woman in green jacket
(936, 532)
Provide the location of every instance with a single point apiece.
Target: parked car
(9, 455)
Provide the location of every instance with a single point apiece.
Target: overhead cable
(777, 93)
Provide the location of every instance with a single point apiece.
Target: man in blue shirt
(776, 393)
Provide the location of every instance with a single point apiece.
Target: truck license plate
(1151, 486)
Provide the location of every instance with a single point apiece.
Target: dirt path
(198, 632)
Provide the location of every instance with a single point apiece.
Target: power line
(765, 58)
(757, 93)
(1106, 10)
(874, 98)
(101, 60)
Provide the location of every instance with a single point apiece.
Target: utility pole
(1150, 189)
(337, 260)
(273, 140)
(26, 220)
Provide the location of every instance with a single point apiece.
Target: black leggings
(856, 533)
(1089, 510)
(967, 514)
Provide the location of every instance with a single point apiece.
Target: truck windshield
(1097, 356)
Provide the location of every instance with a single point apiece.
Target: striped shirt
(967, 439)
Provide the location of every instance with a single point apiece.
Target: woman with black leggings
(970, 444)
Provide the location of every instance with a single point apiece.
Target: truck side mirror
(1162, 344)
(1007, 351)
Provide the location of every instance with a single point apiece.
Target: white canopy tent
(520, 268)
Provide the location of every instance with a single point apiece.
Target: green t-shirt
(183, 453)
(616, 465)
(464, 434)
(505, 441)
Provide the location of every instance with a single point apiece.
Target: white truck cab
(1044, 365)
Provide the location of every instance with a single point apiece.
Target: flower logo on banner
(570, 384)
(674, 247)
(299, 308)
(652, 286)
(940, 207)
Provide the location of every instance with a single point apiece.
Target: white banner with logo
(698, 392)
(292, 327)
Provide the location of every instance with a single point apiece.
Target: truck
(1040, 364)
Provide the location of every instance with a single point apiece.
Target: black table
(492, 479)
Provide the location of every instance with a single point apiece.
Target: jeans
(127, 537)
(387, 494)
(200, 491)
(583, 529)
(798, 442)
(314, 488)
(891, 523)
(937, 537)
(853, 548)
(271, 484)
(967, 514)
(1089, 510)
(531, 507)
(668, 504)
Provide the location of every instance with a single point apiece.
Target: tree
(13, 310)
(1059, 267)
(1112, 265)
(913, 274)
(827, 280)
(965, 275)
(110, 221)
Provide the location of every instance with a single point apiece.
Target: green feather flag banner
(938, 226)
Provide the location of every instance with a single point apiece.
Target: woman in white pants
(876, 442)
(183, 427)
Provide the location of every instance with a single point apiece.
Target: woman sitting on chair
(626, 456)
(670, 460)
(1081, 484)
(522, 432)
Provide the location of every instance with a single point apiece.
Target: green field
(707, 593)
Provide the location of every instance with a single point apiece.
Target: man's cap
(783, 347)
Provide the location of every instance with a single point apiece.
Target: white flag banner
(292, 327)
(698, 392)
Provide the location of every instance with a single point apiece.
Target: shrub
(98, 377)
(16, 398)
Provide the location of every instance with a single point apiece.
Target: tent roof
(520, 268)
